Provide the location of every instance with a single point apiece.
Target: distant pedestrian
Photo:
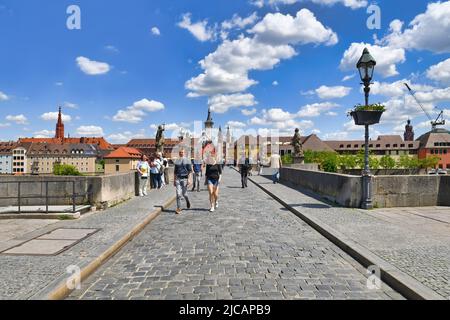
(244, 169)
(182, 172)
(276, 164)
(155, 167)
(161, 169)
(259, 167)
(166, 171)
(143, 169)
(213, 176)
(197, 165)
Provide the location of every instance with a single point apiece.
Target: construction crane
(440, 121)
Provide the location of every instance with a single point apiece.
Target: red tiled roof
(101, 142)
(124, 153)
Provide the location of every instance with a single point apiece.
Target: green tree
(374, 163)
(330, 163)
(287, 159)
(387, 162)
(429, 162)
(347, 161)
(65, 170)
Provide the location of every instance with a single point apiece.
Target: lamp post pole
(366, 66)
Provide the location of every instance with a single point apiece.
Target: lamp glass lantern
(366, 67)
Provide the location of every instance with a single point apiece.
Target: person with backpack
(182, 173)
(197, 166)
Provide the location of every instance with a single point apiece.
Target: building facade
(436, 143)
(41, 158)
(6, 157)
(122, 160)
(391, 145)
(19, 154)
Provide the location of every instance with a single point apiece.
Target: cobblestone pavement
(25, 277)
(250, 248)
(415, 240)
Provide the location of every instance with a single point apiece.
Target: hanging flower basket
(367, 115)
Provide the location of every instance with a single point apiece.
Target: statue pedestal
(298, 160)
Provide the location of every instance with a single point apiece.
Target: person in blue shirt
(197, 166)
(182, 173)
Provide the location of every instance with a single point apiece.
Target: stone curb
(403, 283)
(58, 289)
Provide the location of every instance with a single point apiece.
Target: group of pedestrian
(153, 171)
(183, 171)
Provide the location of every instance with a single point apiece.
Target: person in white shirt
(143, 169)
(276, 164)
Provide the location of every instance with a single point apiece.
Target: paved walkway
(31, 277)
(251, 248)
(415, 240)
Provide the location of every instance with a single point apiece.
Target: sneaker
(217, 204)
(212, 209)
(178, 211)
(188, 203)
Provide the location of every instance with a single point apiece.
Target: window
(410, 146)
(117, 168)
(356, 145)
(378, 145)
(349, 146)
(402, 146)
(395, 145)
(388, 146)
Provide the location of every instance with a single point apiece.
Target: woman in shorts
(213, 178)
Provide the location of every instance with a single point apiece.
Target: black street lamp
(366, 66)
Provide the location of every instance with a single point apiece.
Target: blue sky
(273, 64)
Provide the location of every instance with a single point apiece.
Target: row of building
(40, 155)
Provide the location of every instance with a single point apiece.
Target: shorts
(213, 182)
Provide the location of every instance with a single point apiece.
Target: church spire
(59, 133)
(209, 124)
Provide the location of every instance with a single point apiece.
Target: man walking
(198, 168)
(183, 170)
(276, 164)
(244, 169)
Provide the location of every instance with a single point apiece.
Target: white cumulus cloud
(156, 31)
(53, 116)
(325, 92)
(199, 30)
(91, 67)
(222, 103)
(139, 109)
(440, 72)
(3, 96)
(90, 131)
(304, 28)
(427, 31)
(19, 119)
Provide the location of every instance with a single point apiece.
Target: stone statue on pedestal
(160, 141)
(299, 156)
